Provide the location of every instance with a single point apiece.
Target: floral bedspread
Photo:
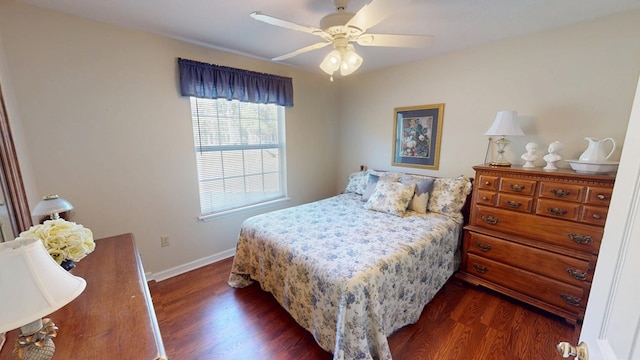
(348, 275)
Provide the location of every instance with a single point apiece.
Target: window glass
(239, 150)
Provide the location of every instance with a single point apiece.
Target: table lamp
(504, 124)
(51, 205)
(33, 285)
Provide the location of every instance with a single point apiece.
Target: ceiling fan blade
(374, 12)
(394, 40)
(301, 51)
(289, 25)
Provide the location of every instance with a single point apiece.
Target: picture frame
(417, 133)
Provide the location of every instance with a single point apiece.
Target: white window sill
(242, 209)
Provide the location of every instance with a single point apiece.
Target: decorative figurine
(530, 156)
(552, 157)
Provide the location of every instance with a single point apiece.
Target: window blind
(239, 150)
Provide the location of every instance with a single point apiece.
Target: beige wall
(106, 129)
(565, 84)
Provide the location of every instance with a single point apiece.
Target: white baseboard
(169, 273)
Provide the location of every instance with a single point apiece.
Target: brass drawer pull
(490, 219)
(571, 300)
(484, 198)
(601, 197)
(481, 269)
(560, 193)
(517, 188)
(483, 247)
(577, 274)
(513, 204)
(557, 211)
(580, 239)
(596, 216)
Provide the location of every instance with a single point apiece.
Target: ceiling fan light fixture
(341, 27)
(331, 62)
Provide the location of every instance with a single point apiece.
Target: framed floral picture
(417, 131)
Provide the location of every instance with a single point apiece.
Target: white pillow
(449, 195)
(357, 182)
(391, 198)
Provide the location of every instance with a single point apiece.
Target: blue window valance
(214, 81)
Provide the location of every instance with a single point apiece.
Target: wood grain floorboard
(202, 318)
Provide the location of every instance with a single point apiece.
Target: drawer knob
(490, 219)
(485, 198)
(577, 274)
(557, 211)
(560, 193)
(580, 239)
(483, 247)
(596, 216)
(571, 300)
(601, 197)
(517, 188)
(487, 183)
(481, 269)
(513, 204)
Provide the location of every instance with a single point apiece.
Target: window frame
(281, 195)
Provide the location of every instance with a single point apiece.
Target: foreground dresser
(114, 317)
(534, 235)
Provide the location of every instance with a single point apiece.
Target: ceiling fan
(341, 27)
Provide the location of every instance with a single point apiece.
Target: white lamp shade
(351, 61)
(505, 124)
(32, 284)
(331, 62)
(51, 204)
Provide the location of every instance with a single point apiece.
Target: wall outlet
(164, 241)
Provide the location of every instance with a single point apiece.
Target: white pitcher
(596, 151)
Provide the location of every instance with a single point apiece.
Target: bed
(354, 268)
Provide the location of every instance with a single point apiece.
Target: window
(240, 153)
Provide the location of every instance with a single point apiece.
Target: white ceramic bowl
(587, 167)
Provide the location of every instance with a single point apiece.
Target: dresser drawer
(558, 209)
(517, 186)
(567, 297)
(485, 197)
(568, 234)
(598, 196)
(560, 267)
(555, 190)
(595, 215)
(487, 182)
(515, 202)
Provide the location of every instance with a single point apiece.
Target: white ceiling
(226, 25)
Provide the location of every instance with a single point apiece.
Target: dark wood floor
(202, 318)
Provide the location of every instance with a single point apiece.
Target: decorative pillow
(421, 196)
(390, 197)
(373, 181)
(357, 182)
(449, 195)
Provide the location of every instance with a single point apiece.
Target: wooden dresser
(114, 317)
(534, 235)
